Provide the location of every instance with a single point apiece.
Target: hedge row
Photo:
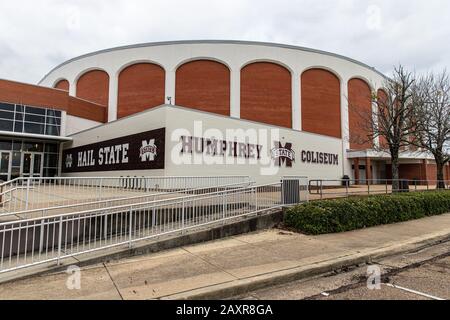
(333, 216)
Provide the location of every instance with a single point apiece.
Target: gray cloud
(39, 34)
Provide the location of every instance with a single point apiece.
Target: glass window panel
(52, 130)
(51, 160)
(51, 148)
(19, 108)
(19, 116)
(53, 113)
(16, 158)
(39, 111)
(53, 121)
(50, 172)
(34, 128)
(4, 162)
(34, 118)
(15, 173)
(6, 125)
(17, 145)
(6, 115)
(26, 166)
(18, 126)
(33, 147)
(5, 145)
(6, 106)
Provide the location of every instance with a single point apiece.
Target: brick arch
(141, 87)
(62, 84)
(203, 85)
(359, 108)
(321, 102)
(266, 94)
(94, 86)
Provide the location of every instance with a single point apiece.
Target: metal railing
(49, 239)
(85, 206)
(326, 189)
(24, 194)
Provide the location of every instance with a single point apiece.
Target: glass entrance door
(32, 164)
(5, 165)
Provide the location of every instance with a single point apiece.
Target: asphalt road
(421, 275)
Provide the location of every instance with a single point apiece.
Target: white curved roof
(194, 42)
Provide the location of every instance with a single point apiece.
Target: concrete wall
(184, 122)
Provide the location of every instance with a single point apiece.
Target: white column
(63, 123)
(345, 128)
(235, 93)
(170, 87)
(296, 102)
(73, 88)
(113, 95)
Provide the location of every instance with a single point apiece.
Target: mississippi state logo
(69, 160)
(283, 154)
(148, 151)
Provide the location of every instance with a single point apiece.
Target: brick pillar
(356, 164)
(368, 171)
(424, 172)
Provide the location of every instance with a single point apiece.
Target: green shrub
(340, 215)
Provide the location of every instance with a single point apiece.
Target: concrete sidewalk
(231, 266)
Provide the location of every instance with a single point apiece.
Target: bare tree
(432, 98)
(390, 118)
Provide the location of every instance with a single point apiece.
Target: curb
(242, 286)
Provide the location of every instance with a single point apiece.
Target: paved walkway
(174, 273)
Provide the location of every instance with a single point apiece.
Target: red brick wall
(266, 94)
(63, 85)
(408, 171)
(22, 93)
(359, 101)
(417, 171)
(321, 103)
(203, 85)
(28, 94)
(94, 86)
(141, 87)
(87, 110)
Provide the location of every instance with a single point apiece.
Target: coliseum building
(133, 99)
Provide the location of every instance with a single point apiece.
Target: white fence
(30, 242)
(24, 194)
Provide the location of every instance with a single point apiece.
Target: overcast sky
(36, 35)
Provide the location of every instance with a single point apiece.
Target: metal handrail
(29, 242)
(22, 194)
(109, 201)
(325, 187)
